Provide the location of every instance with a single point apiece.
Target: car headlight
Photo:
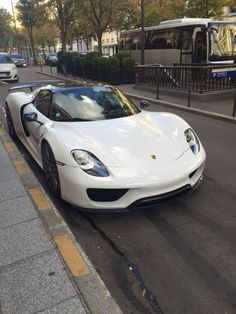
(192, 140)
(89, 163)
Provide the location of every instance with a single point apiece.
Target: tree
(6, 30)
(205, 8)
(31, 14)
(160, 10)
(20, 41)
(126, 14)
(63, 11)
(81, 30)
(47, 34)
(98, 13)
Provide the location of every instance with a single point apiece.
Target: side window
(43, 102)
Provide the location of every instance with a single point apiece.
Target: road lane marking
(2, 132)
(39, 198)
(9, 146)
(71, 255)
(20, 167)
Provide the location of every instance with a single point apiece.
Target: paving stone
(4, 158)
(71, 306)
(16, 211)
(8, 173)
(11, 189)
(34, 284)
(32, 237)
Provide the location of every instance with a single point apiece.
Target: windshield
(91, 103)
(222, 41)
(16, 56)
(5, 59)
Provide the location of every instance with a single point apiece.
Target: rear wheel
(50, 170)
(10, 125)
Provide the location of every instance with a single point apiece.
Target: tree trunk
(99, 37)
(30, 33)
(63, 40)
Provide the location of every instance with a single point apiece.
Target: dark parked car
(51, 59)
(18, 60)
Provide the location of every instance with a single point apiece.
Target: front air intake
(105, 195)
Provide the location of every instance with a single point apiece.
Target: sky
(6, 4)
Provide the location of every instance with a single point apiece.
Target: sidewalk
(221, 109)
(42, 268)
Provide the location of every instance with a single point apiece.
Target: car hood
(130, 142)
(7, 67)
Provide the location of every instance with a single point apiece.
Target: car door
(42, 107)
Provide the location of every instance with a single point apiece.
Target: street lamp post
(142, 33)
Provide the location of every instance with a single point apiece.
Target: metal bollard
(50, 67)
(189, 95)
(157, 81)
(74, 71)
(234, 108)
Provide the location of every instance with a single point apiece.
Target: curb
(208, 114)
(90, 288)
(204, 113)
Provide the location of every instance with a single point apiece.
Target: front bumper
(21, 64)
(9, 76)
(180, 175)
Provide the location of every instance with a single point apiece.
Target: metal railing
(199, 79)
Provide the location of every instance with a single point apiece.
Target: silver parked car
(18, 60)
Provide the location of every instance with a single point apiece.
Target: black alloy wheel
(10, 125)
(50, 170)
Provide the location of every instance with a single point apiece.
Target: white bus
(183, 41)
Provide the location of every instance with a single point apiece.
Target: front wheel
(50, 170)
(10, 125)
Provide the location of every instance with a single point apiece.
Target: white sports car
(98, 150)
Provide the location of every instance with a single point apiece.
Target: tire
(10, 125)
(50, 170)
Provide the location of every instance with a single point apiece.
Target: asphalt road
(179, 256)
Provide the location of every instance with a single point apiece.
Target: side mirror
(31, 117)
(144, 104)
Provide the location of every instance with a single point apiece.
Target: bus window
(157, 40)
(200, 48)
(128, 42)
(135, 41)
(186, 39)
(162, 39)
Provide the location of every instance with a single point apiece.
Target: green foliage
(31, 13)
(98, 13)
(205, 8)
(113, 64)
(152, 15)
(78, 62)
(121, 55)
(64, 12)
(89, 57)
(104, 63)
(126, 15)
(76, 59)
(96, 63)
(5, 28)
(128, 63)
